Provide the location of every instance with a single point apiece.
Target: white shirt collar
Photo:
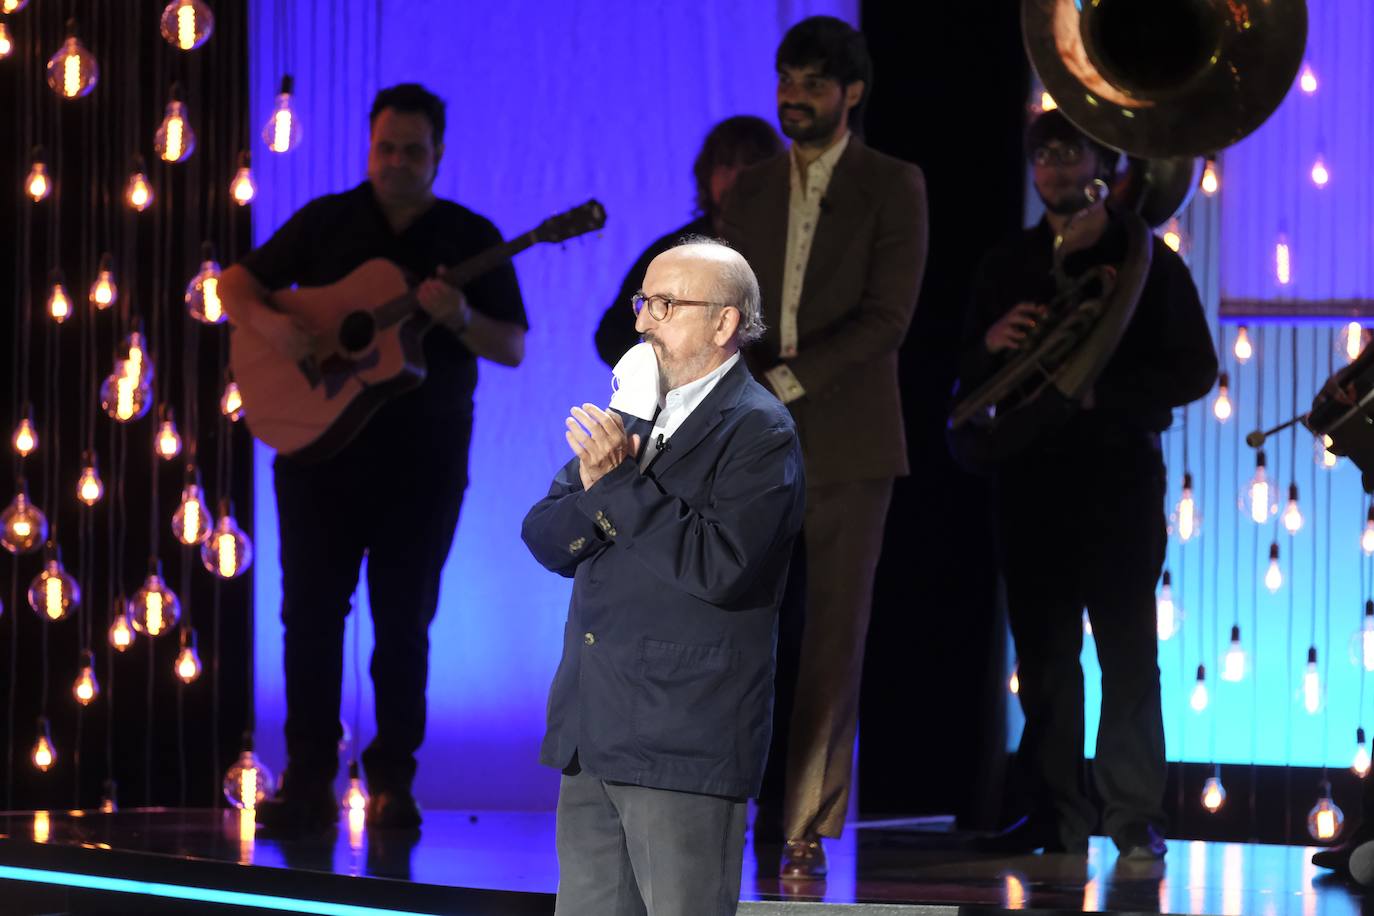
(822, 167)
(677, 405)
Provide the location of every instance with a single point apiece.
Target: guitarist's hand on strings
(445, 304)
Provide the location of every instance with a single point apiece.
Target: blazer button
(589, 639)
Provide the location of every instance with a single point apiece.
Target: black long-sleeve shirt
(1165, 358)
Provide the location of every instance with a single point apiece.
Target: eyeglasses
(1057, 155)
(661, 307)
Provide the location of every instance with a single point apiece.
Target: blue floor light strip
(201, 894)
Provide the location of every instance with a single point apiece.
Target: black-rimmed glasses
(660, 307)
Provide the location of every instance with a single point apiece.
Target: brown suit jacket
(858, 296)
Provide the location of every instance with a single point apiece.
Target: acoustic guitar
(369, 327)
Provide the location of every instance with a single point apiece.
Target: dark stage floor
(503, 862)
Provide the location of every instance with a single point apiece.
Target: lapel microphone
(660, 445)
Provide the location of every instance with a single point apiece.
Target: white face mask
(634, 382)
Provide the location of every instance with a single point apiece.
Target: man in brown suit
(837, 234)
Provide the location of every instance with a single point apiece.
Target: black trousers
(393, 495)
(1087, 530)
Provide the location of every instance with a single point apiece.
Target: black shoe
(1028, 835)
(299, 808)
(393, 809)
(1141, 843)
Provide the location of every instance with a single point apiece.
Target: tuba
(1165, 82)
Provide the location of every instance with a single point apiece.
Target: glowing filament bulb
(6, 44)
(121, 633)
(231, 404)
(1166, 615)
(1273, 576)
(1311, 684)
(125, 389)
(283, 131)
(59, 303)
(188, 522)
(86, 688)
(138, 192)
(355, 799)
(1047, 102)
(243, 188)
(155, 620)
(228, 553)
(1173, 235)
(202, 293)
(1360, 762)
(1259, 493)
(1320, 174)
(1185, 515)
(1292, 515)
(186, 24)
(44, 754)
(103, 291)
(1308, 79)
(249, 790)
(52, 599)
(25, 439)
(1213, 794)
(1242, 350)
(188, 666)
(1367, 536)
(1210, 182)
(1198, 699)
(175, 140)
(53, 593)
(168, 440)
(42, 824)
(72, 72)
(1283, 262)
(1014, 682)
(1325, 819)
(1326, 459)
(1233, 663)
(37, 185)
(1221, 406)
(90, 488)
(1352, 341)
(12, 6)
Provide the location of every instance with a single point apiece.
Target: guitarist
(394, 492)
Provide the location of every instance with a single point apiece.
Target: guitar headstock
(589, 217)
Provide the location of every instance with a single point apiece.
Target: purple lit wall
(548, 104)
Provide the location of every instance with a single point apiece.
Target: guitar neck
(458, 276)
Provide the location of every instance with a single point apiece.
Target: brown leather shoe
(803, 859)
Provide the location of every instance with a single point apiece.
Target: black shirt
(334, 234)
(1165, 358)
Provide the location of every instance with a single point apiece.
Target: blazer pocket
(684, 707)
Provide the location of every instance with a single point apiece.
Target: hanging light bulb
(154, 609)
(37, 185)
(1213, 794)
(23, 526)
(283, 130)
(1325, 820)
(243, 188)
(121, 630)
(1320, 174)
(1198, 699)
(1292, 515)
(202, 293)
(1325, 458)
(59, 303)
(1360, 762)
(1367, 536)
(109, 795)
(1352, 340)
(231, 402)
(1014, 682)
(25, 438)
(138, 193)
(6, 43)
(1166, 614)
(53, 593)
(189, 522)
(12, 6)
(123, 395)
(1242, 350)
(1221, 405)
(167, 442)
(227, 552)
(187, 24)
(1173, 235)
(90, 488)
(1283, 261)
(354, 799)
(1258, 499)
(1211, 183)
(86, 688)
(248, 783)
(104, 293)
(1362, 640)
(1233, 662)
(1311, 684)
(137, 365)
(72, 71)
(1273, 576)
(188, 661)
(1186, 520)
(44, 753)
(174, 140)
(1308, 79)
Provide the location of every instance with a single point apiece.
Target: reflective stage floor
(177, 861)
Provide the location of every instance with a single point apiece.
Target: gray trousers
(634, 851)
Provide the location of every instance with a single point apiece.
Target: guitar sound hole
(357, 332)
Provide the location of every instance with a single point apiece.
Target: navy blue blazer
(666, 678)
